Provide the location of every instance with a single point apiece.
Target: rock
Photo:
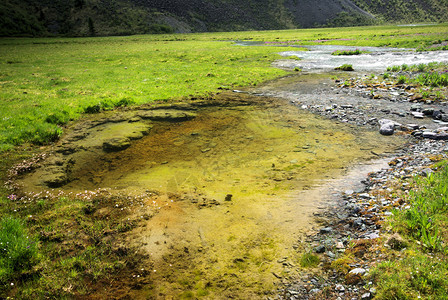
(116, 144)
(428, 111)
(429, 135)
(364, 196)
(358, 223)
(396, 242)
(416, 97)
(319, 249)
(166, 115)
(340, 245)
(339, 288)
(437, 114)
(444, 118)
(372, 236)
(358, 271)
(349, 192)
(417, 115)
(426, 172)
(228, 197)
(387, 127)
(55, 179)
(326, 230)
(413, 126)
(366, 296)
(416, 107)
(441, 137)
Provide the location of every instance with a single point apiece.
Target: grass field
(44, 83)
(47, 82)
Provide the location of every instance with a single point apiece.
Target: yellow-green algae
(263, 157)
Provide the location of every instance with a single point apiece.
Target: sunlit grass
(45, 85)
(47, 82)
(421, 270)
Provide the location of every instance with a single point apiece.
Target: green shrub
(106, 104)
(345, 67)
(425, 204)
(58, 118)
(349, 52)
(18, 252)
(160, 29)
(421, 67)
(402, 79)
(433, 79)
(393, 69)
(125, 101)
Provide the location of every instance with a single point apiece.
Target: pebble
(326, 230)
(358, 271)
(359, 214)
(353, 219)
(339, 288)
(319, 249)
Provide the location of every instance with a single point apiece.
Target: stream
(234, 181)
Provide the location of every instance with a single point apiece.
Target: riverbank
(355, 235)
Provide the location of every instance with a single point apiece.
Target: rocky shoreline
(355, 223)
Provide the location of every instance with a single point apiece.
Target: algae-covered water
(236, 187)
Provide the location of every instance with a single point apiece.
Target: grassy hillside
(406, 11)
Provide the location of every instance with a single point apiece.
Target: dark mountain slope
(122, 17)
(310, 13)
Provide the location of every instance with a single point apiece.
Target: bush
(58, 118)
(349, 52)
(433, 79)
(345, 67)
(160, 29)
(125, 101)
(18, 252)
(402, 79)
(106, 104)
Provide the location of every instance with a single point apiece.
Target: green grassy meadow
(45, 83)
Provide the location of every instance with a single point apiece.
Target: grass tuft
(345, 67)
(18, 252)
(421, 270)
(309, 260)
